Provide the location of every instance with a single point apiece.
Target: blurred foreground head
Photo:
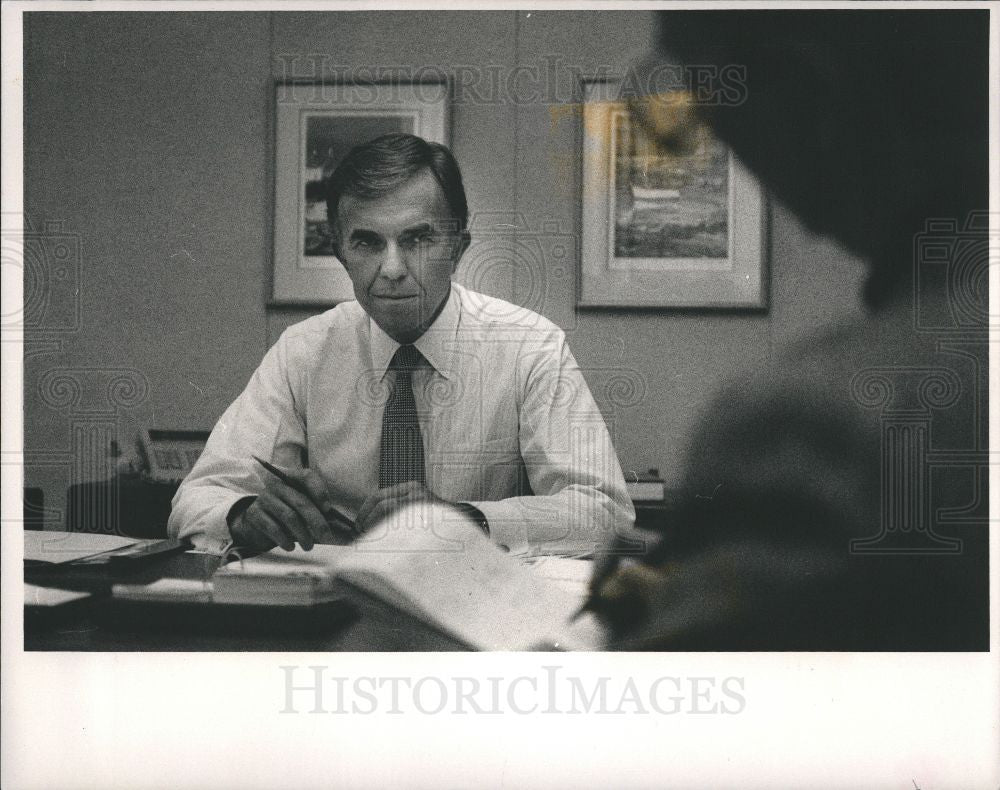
(864, 123)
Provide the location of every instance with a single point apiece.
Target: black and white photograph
(570, 395)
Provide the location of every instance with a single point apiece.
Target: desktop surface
(101, 623)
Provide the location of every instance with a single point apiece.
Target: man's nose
(393, 263)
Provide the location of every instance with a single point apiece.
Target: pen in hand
(591, 604)
(336, 518)
(605, 565)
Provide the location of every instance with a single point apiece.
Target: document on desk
(49, 597)
(440, 570)
(56, 548)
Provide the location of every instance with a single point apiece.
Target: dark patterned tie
(401, 458)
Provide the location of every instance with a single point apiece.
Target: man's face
(400, 251)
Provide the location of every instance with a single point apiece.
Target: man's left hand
(385, 501)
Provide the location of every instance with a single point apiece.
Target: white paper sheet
(49, 596)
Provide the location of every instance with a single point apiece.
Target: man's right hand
(282, 516)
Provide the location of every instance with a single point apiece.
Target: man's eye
(425, 237)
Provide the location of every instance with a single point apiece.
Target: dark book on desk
(445, 574)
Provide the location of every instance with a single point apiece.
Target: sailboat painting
(678, 226)
(669, 205)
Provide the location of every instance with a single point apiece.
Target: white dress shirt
(508, 425)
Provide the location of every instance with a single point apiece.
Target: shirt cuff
(208, 531)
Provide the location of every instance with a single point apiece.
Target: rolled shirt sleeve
(578, 494)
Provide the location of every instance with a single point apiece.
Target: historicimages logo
(552, 691)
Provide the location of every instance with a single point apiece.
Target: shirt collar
(437, 343)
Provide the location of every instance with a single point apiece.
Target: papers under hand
(436, 566)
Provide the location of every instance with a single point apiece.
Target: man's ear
(463, 245)
(334, 240)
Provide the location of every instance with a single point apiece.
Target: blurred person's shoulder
(837, 366)
(820, 398)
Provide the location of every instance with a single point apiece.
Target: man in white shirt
(421, 390)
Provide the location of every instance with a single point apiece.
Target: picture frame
(316, 123)
(661, 229)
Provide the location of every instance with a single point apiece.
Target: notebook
(436, 567)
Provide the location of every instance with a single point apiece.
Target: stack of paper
(297, 578)
(165, 591)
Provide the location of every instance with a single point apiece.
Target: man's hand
(283, 515)
(385, 501)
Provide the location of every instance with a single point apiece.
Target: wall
(148, 136)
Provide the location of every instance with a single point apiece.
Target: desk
(101, 623)
(90, 625)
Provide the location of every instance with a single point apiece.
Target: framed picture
(315, 125)
(680, 229)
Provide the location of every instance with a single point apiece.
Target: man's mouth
(396, 297)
